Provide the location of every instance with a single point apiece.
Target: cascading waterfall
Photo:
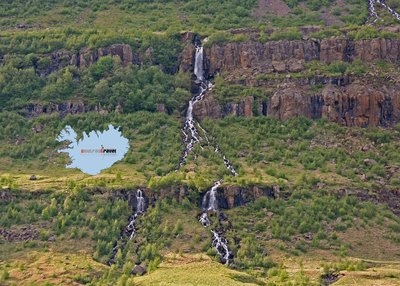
(140, 204)
(130, 230)
(374, 14)
(199, 63)
(210, 204)
(221, 245)
(191, 127)
(192, 136)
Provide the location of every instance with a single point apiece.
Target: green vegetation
(289, 34)
(106, 83)
(308, 220)
(154, 15)
(226, 92)
(368, 32)
(334, 206)
(154, 137)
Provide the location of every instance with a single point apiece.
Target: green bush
(290, 34)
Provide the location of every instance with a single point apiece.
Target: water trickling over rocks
(130, 230)
(374, 14)
(191, 137)
(210, 202)
(192, 130)
(219, 242)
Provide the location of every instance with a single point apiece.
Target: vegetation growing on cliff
(335, 202)
(106, 83)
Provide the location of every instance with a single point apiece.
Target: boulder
(139, 270)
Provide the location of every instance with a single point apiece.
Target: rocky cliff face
(360, 103)
(233, 196)
(367, 100)
(63, 109)
(86, 57)
(289, 56)
(228, 196)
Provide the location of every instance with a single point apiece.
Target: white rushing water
(140, 204)
(193, 136)
(139, 209)
(199, 63)
(221, 245)
(210, 204)
(191, 127)
(130, 230)
(374, 14)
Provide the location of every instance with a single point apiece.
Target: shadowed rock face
(352, 101)
(289, 56)
(227, 196)
(65, 108)
(359, 104)
(233, 196)
(86, 57)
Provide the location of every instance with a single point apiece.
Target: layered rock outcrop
(363, 100)
(359, 103)
(86, 57)
(233, 196)
(228, 196)
(65, 108)
(289, 56)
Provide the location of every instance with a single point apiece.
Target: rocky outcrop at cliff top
(65, 108)
(359, 103)
(290, 56)
(368, 100)
(228, 196)
(284, 56)
(86, 57)
(233, 196)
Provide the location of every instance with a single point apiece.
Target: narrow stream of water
(130, 230)
(191, 137)
(374, 14)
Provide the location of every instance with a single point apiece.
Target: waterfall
(130, 230)
(191, 127)
(210, 203)
(221, 245)
(204, 220)
(192, 136)
(374, 14)
(199, 63)
(140, 202)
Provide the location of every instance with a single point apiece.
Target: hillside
(263, 142)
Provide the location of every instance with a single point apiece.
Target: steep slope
(351, 82)
(263, 139)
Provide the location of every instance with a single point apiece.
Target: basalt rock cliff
(352, 100)
(228, 196)
(86, 57)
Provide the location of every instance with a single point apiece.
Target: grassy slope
(198, 15)
(290, 162)
(194, 270)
